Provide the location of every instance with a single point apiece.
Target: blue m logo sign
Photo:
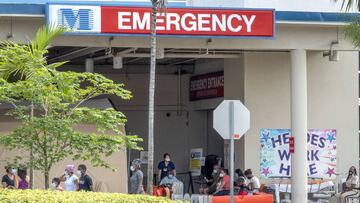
(81, 19)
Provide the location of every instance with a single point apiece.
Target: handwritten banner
(276, 159)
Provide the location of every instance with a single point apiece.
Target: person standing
(55, 185)
(23, 179)
(165, 166)
(70, 179)
(351, 185)
(9, 180)
(85, 181)
(137, 177)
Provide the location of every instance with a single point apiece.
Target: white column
(89, 65)
(299, 126)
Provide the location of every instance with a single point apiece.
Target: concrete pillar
(89, 65)
(299, 126)
(234, 90)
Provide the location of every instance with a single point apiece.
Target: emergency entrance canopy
(176, 21)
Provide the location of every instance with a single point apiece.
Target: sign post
(231, 121)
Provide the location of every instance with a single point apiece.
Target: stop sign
(231, 116)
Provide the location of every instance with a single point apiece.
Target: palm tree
(21, 60)
(157, 6)
(348, 4)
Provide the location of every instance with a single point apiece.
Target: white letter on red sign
(203, 22)
(191, 22)
(139, 23)
(123, 19)
(248, 22)
(216, 22)
(160, 20)
(230, 25)
(172, 19)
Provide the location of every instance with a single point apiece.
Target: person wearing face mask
(23, 179)
(137, 177)
(351, 185)
(169, 180)
(85, 181)
(165, 166)
(10, 179)
(70, 179)
(223, 186)
(212, 183)
(55, 185)
(253, 181)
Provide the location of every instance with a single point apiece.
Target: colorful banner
(207, 86)
(275, 158)
(176, 21)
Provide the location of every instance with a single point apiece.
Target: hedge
(47, 196)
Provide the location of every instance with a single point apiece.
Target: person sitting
(169, 180)
(223, 186)
(241, 185)
(215, 178)
(254, 182)
(239, 176)
(350, 186)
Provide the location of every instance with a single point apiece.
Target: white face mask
(214, 171)
(171, 176)
(221, 175)
(167, 159)
(13, 171)
(78, 173)
(132, 168)
(53, 186)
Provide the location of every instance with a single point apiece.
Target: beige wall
(288, 36)
(108, 180)
(234, 90)
(332, 100)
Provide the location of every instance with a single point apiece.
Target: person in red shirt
(223, 186)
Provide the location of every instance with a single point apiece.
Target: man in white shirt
(253, 181)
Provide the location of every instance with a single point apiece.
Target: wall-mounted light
(332, 54)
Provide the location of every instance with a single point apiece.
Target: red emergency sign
(186, 21)
(291, 145)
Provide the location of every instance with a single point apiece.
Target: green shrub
(47, 196)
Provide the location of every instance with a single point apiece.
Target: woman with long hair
(351, 186)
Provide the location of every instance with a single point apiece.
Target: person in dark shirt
(165, 166)
(85, 181)
(9, 180)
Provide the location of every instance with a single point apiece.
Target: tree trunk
(46, 177)
(150, 168)
(31, 170)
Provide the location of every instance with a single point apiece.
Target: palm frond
(22, 60)
(352, 32)
(45, 35)
(349, 4)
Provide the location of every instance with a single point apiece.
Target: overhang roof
(36, 8)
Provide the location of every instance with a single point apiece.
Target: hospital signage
(207, 86)
(176, 21)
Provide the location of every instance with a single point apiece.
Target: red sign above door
(189, 21)
(207, 86)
